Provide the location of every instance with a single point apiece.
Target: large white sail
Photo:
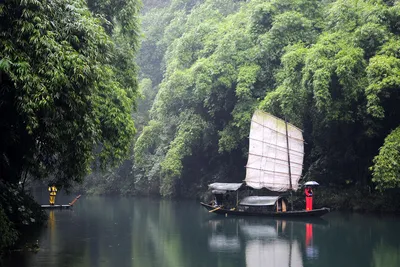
(268, 165)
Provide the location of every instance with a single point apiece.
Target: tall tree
(67, 91)
(62, 92)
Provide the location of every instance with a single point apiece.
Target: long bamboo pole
(290, 171)
(215, 209)
(73, 201)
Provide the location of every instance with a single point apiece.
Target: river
(143, 232)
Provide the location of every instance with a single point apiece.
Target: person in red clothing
(309, 193)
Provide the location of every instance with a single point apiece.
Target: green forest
(330, 67)
(155, 97)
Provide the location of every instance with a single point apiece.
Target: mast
(290, 173)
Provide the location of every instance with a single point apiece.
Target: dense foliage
(19, 214)
(67, 89)
(387, 168)
(330, 67)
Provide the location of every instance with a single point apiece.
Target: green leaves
(8, 235)
(4, 64)
(384, 77)
(386, 168)
(189, 131)
(70, 89)
(348, 75)
(147, 142)
(247, 77)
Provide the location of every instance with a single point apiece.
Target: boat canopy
(225, 186)
(275, 146)
(259, 201)
(218, 192)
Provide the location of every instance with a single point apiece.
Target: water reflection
(274, 253)
(267, 245)
(311, 249)
(223, 240)
(265, 242)
(162, 233)
(386, 256)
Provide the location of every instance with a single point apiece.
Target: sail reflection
(259, 231)
(263, 242)
(222, 243)
(266, 245)
(275, 253)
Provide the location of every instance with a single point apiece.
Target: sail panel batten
(284, 133)
(268, 165)
(277, 146)
(268, 171)
(297, 163)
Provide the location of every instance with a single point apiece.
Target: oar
(215, 209)
(73, 201)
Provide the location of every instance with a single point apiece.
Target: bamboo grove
(330, 67)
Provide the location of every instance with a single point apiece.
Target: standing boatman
(309, 197)
(53, 193)
(309, 194)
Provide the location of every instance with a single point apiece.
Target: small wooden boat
(288, 214)
(275, 163)
(67, 206)
(56, 206)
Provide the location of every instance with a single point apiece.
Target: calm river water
(140, 232)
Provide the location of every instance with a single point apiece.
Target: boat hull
(55, 206)
(288, 214)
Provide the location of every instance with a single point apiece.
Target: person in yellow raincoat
(53, 193)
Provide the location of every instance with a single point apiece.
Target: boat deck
(288, 214)
(55, 206)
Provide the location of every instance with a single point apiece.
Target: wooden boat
(67, 206)
(288, 214)
(55, 206)
(275, 163)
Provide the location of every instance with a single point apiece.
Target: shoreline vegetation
(19, 215)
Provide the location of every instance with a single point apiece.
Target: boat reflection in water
(265, 247)
(312, 251)
(268, 242)
(224, 238)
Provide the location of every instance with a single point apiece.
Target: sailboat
(275, 162)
